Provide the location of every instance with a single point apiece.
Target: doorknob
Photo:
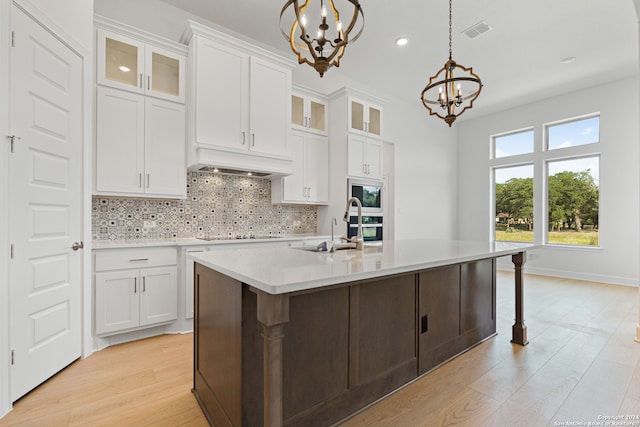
(77, 245)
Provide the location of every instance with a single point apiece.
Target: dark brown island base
(312, 355)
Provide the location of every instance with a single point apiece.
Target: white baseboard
(577, 275)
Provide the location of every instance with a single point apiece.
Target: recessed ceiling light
(402, 41)
(568, 60)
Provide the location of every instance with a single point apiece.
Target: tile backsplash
(216, 206)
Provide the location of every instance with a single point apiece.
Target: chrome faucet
(358, 239)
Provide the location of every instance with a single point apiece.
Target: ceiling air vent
(475, 30)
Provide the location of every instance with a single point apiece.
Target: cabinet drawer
(116, 259)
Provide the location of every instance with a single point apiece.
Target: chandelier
(323, 48)
(449, 94)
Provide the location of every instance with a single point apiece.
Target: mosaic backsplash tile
(224, 206)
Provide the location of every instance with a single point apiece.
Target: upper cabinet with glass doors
(364, 118)
(126, 63)
(308, 111)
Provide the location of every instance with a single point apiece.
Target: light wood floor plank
(581, 362)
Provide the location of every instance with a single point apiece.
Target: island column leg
(273, 312)
(519, 329)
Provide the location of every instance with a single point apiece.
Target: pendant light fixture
(323, 48)
(452, 89)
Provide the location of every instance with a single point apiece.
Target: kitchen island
(285, 336)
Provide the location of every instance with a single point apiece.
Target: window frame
(540, 158)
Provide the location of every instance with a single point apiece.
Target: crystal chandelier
(323, 48)
(450, 95)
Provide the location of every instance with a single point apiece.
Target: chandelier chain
(450, 55)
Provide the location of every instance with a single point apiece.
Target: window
(514, 203)
(556, 183)
(512, 144)
(573, 133)
(572, 198)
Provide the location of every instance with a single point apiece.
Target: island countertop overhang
(283, 270)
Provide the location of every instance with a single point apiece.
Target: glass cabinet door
(126, 63)
(357, 115)
(297, 111)
(317, 112)
(365, 118)
(120, 61)
(374, 123)
(165, 74)
(308, 114)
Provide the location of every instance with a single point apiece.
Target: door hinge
(12, 139)
(13, 39)
(13, 357)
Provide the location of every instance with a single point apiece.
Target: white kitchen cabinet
(364, 118)
(309, 181)
(130, 64)
(364, 157)
(309, 112)
(241, 102)
(134, 288)
(140, 145)
(240, 108)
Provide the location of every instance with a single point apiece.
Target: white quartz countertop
(279, 270)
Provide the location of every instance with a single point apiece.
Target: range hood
(224, 171)
(212, 159)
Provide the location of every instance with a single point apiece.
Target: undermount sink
(336, 246)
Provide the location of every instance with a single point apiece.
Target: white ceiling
(518, 60)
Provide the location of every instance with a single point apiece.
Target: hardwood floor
(581, 363)
(143, 383)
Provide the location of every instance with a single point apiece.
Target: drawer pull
(139, 259)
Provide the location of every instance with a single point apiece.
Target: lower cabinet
(456, 307)
(130, 298)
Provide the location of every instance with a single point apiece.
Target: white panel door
(159, 295)
(165, 163)
(45, 205)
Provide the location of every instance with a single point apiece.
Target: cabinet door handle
(140, 80)
(135, 285)
(243, 138)
(148, 82)
(144, 283)
(140, 180)
(139, 259)
(424, 324)
(148, 180)
(253, 139)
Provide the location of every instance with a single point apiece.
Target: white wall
(71, 18)
(616, 261)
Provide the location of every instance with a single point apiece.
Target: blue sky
(562, 135)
